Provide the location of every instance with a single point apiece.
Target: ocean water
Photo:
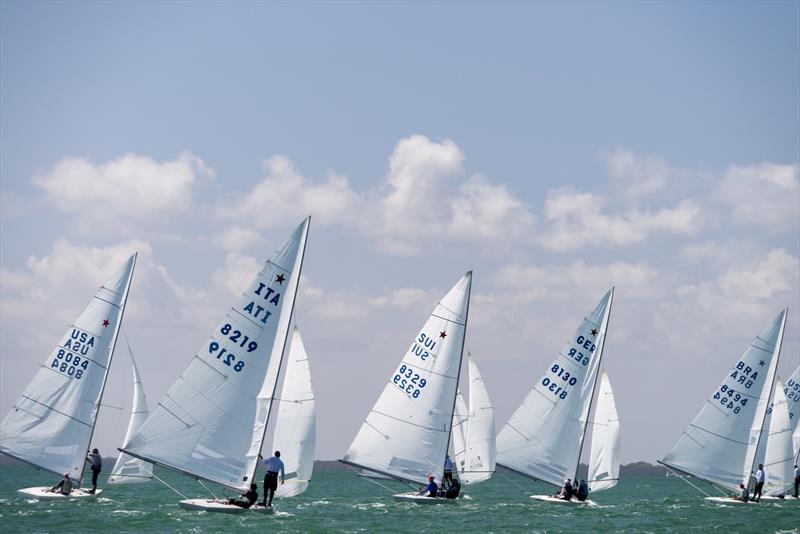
(338, 501)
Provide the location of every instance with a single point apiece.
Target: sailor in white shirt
(796, 479)
(759, 483)
(447, 479)
(273, 465)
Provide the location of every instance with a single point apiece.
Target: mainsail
(721, 445)
(127, 469)
(544, 437)
(204, 424)
(779, 458)
(295, 430)
(792, 392)
(52, 422)
(479, 457)
(407, 432)
(604, 456)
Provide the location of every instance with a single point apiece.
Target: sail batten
(52, 422)
(556, 410)
(407, 432)
(210, 423)
(722, 443)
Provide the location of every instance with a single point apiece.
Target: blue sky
(554, 148)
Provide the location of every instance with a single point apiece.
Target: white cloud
(422, 199)
(239, 271)
(576, 220)
(637, 174)
(129, 188)
(236, 238)
(765, 195)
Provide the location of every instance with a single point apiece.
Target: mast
(604, 329)
(771, 388)
(458, 377)
(108, 366)
(285, 339)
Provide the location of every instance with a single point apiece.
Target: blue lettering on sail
(409, 382)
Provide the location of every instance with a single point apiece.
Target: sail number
(579, 356)
(553, 386)
(227, 357)
(731, 400)
(409, 381)
(69, 364)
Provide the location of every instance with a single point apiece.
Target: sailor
(566, 492)
(454, 490)
(447, 478)
(247, 499)
(759, 483)
(64, 485)
(583, 491)
(273, 465)
(431, 490)
(744, 495)
(796, 479)
(96, 464)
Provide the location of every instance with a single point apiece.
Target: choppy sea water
(338, 501)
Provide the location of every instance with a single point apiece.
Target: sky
(556, 149)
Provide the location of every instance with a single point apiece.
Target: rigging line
(207, 488)
(170, 487)
(686, 479)
(391, 490)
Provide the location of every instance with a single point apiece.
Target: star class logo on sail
(71, 358)
(257, 308)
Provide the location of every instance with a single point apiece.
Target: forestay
(51, 423)
(604, 456)
(721, 444)
(544, 437)
(459, 432)
(295, 430)
(479, 459)
(204, 424)
(127, 469)
(779, 460)
(406, 433)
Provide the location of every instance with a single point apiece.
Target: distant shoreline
(634, 469)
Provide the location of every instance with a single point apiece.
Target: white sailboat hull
(775, 498)
(214, 506)
(44, 494)
(556, 500)
(421, 499)
(727, 500)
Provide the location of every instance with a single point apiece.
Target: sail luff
(298, 267)
(458, 375)
(603, 328)
(773, 370)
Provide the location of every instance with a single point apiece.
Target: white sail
(51, 423)
(295, 430)
(459, 432)
(407, 432)
(722, 442)
(792, 392)
(604, 456)
(127, 469)
(779, 458)
(480, 443)
(543, 439)
(204, 424)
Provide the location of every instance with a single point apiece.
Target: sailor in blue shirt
(273, 465)
(431, 490)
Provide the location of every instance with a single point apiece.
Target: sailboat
(212, 421)
(473, 431)
(129, 470)
(726, 440)
(295, 427)
(406, 435)
(544, 437)
(779, 456)
(52, 422)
